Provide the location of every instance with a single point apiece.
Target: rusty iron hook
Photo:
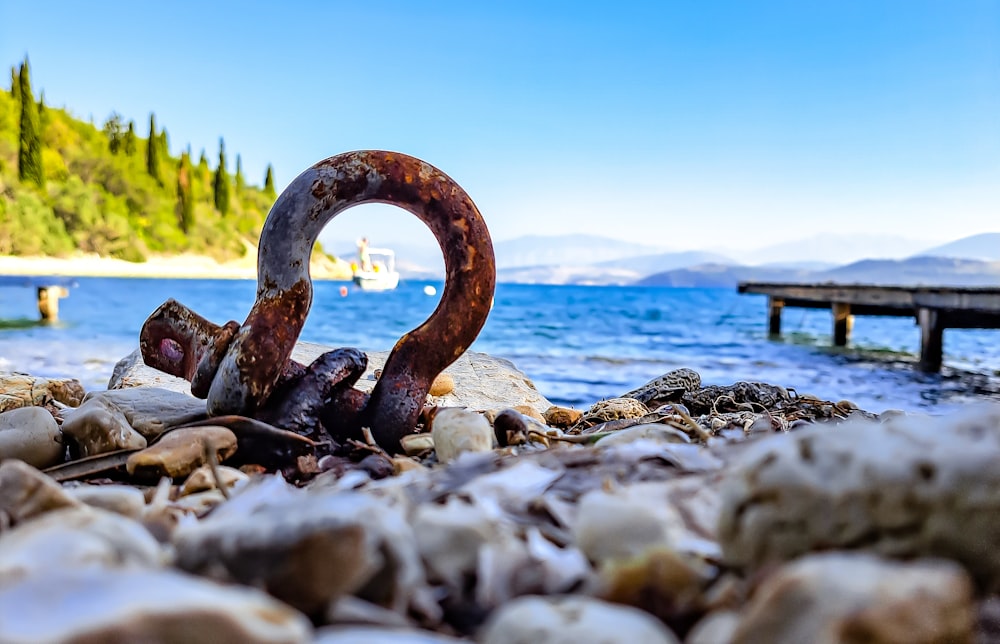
(237, 370)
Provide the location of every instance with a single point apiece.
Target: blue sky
(686, 125)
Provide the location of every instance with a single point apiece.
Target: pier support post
(931, 340)
(774, 307)
(843, 322)
(48, 302)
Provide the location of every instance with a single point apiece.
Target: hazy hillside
(722, 276)
(585, 275)
(985, 247)
(566, 250)
(933, 271)
(835, 249)
(648, 264)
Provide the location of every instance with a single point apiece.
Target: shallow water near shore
(578, 344)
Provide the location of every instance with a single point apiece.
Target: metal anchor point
(238, 368)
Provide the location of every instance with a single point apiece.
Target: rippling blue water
(578, 344)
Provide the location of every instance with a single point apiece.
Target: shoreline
(184, 266)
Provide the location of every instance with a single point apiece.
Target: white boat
(377, 271)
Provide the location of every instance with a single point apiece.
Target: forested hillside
(68, 185)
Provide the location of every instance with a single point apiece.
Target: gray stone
(308, 548)
(120, 499)
(203, 479)
(482, 382)
(379, 635)
(715, 628)
(101, 605)
(457, 431)
(182, 451)
(625, 522)
(32, 435)
(26, 493)
(127, 418)
(657, 432)
(98, 427)
(151, 410)
(451, 536)
(856, 597)
(73, 538)
(21, 390)
(571, 620)
(913, 486)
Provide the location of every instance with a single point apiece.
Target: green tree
(15, 84)
(115, 132)
(164, 144)
(221, 182)
(29, 154)
(129, 144)
(185, 194)
(43, 115)
(204, 190)
(239, 176)
(269, 182)
(153, 152)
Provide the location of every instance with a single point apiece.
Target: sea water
(578, 344)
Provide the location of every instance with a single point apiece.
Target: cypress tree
(269, 182)
(185, 194)
(164, 145)
(15, 84)
(221, 182)
(153, 152)
(113, 130)
(239, 176)
(29, 153)
(204, 176)
(129, 143)
(43, 115)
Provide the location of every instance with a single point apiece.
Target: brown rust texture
(208, 364)
(274, 325)
(174, 339)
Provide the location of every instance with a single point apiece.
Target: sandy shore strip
(175, 266)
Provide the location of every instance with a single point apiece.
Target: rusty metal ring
(251, 366)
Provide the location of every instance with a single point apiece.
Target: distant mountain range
(833, 249)
(933, 271)
(984, 247)
(594, 260)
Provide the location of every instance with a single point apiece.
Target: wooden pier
(48, 289)
(933, 308)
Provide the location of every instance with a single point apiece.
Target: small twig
(702, 434)
(581, 439)
(213, 466)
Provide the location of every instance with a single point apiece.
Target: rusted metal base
(238, 367)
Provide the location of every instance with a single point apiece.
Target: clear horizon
(687, 126)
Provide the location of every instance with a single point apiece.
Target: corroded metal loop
(250, 368)
(178, 341)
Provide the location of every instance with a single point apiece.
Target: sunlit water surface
(578, 344)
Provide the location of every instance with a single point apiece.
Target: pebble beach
(674, 512)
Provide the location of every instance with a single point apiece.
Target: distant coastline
(184, 266)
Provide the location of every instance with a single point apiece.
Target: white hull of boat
(377, 281)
